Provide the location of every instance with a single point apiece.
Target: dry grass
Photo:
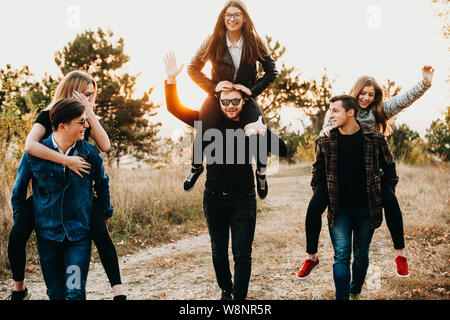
(7, 178)
(424, 197)
(150, 208)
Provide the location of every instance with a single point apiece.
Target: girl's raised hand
(83, 100)
(172, 70)
(427, 75)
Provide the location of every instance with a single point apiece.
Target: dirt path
(183, 269)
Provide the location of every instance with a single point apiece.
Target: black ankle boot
(191, 178)
(261, 185)
(226, 295)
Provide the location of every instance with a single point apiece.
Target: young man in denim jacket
(63, 202)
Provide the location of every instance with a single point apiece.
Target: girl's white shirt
(236, 53)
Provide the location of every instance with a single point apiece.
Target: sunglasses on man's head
(234, 102)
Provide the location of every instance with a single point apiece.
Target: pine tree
(124, 118)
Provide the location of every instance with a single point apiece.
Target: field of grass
(150, 209)
(424, 196)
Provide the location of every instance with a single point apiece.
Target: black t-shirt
(351, 170)
(228, 177)
(237, 174)
(44, 119)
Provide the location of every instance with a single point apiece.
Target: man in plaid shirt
(349, 162)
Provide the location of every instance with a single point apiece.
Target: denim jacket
(62, 201)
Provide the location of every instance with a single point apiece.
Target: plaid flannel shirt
(377, 155)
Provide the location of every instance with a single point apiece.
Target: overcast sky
(383, 38)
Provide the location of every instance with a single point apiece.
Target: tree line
(127, 120)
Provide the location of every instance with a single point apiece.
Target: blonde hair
(75, 80)
(382, 122)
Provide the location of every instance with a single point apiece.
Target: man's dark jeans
(238, 213)
(65, 267)
(354, 222)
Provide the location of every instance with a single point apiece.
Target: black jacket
(227, 177)
(224, 70)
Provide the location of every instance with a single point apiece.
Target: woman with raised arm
(81, 86)
(233, 49)
(375, 111)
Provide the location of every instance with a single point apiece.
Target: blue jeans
(65, 267)
(354, 222)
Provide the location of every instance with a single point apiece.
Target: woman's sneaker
(191, 178)
(20, 295)
(402, 267)
(308, 266)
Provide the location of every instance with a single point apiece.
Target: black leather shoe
(261, 185)
(191, 178)
(226, 295)
(20, 295)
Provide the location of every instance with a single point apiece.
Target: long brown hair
(253, 48)
(75, 80)
(382, 122)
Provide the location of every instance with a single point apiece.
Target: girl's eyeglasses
(236, 16)
(89, 94)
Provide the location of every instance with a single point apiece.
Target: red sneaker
(402, 267)
(308, 266)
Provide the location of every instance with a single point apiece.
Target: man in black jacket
(229, 199)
